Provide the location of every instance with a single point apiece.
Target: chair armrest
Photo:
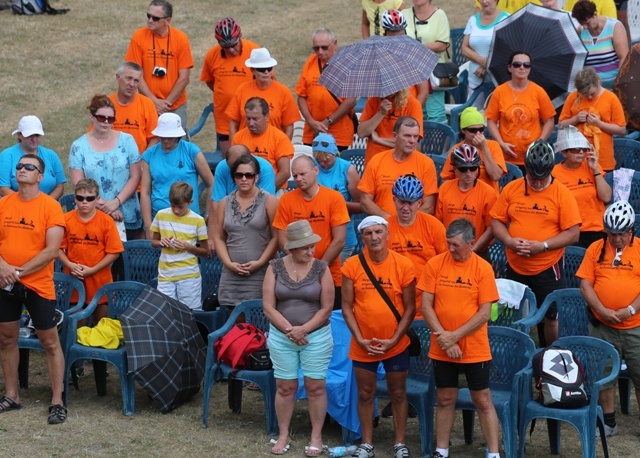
(615, 370)
(532, 319)
(203, 118)
(219, 333)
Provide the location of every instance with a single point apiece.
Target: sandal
(57, 414)
(8, 404)
(401, 451)
(364, 451)
(282, 451)
(312, 450)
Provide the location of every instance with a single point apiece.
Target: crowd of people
(136, 175)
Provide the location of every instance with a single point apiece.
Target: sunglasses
(263, 70)
(475, 130)
(618, 259)
(103, 118)
(87, 198)
(231, 46)
(155, 18)
(518, 64)
(576, 150)
(318, 48)
(241, 175)
(29, 167)
(467, 169)
(323, 143)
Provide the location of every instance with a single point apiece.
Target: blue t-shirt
(336, 178)
(224, 184)
(53, 171)
(166, 168)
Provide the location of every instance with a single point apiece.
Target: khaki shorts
(627, 342)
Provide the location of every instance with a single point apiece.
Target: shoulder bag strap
(381, 291)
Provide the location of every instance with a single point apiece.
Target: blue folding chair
(498, 259)
(439, 162)
(140, 261)
(513, 173)
(437, 138)
(593, 354)
(216, 371)
(356, 157)
(67, 202)
(511, 317)
(213, 157)
(573, 256)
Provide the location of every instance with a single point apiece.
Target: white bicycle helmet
(619, 217)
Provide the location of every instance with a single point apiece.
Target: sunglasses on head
(618, 259)
(263, 70)
(241, 175)
(29, 167)
(103, 118)
(87, 198)
(518, 64)
(155, 18)
(318, 48)
(474, 130)
(323, 143)
(467, 169)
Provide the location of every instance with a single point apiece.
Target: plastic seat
(573, 256)
(356, 157)
(120, 295)
(439, 162)
(437, 138)
(513, 173)
(217, 371)
(421, 388)
(211, 270)
(140, 261)
(511, 351)
(626, 153)
(511, 317)
(593, 355)
(68, 202)
(498, 259)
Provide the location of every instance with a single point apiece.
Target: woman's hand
(251, 266)
(297, 335)
(117, 215)
(592, 161)
(109, 206)
(593, 119)
(582, 116)
(507, 148)
(385, 107)
(480, 72)
(237, 268)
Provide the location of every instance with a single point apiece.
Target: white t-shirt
(480, 41)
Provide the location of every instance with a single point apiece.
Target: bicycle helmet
(227, 32)
(619, 217)
(539, 160)
(408, 188)
(465, 156)
(393, 20)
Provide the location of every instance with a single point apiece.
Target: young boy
(178, 230)
(91, 244)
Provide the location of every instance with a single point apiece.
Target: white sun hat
(260, 58)
(169, 126)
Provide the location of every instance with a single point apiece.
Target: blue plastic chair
(513, 173)
(140, 261)
(439, 162)
(498, 259)
(357, 219)
(421, 388)
(573, 256)
(437, 138)
(511, 351)
(356, 157)
(120, 295)
(67, 202)
(626, 153)
(593, 354)
(217, 371)
(211, 270)
(482, 92)
(511, 318)
(213, 157)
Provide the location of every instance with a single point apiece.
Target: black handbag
(414, 347)
(260, 360)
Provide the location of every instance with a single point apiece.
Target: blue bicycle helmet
(408, 188)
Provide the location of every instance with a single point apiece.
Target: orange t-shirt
(616, 287)
(519, 115)
(271, 145)
(374, 317)
(172, 52)
(448, 173)
(87, 243)
(385, 128)
(608, 107)
(459, 289)
(321, 104)
(474, 204)
(138, 119)
(226, 73)
(23, 232)
(283, 110)
(582, 185)
(419, 242)
(537, 216)
(325, 211)
(382, 172)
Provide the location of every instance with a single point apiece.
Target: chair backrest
(300, 150)
(254, 313)
(356, 219)
(573, 256)
(513, 173)
(120, 295)
(298, 130)
(511, 351)
(509, 316)
(572, 316)
(210, 270)
(356, 157)
(67, 202)
(626, 153)
(634, 195)
(498, 259)
(439, 162)
(478, 98)
(360, 103)
(421, 367)
(140, 261)
(437, 138)
(553, 138)
(457, 36)
(65, 285)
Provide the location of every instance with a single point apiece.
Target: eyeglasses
(518, 64)
(247, 175)
(87, 198)
(323, 143)
(318, 48)
(29, 167)
(475, 130)
(103, 118)
(155, 18)
(467, 169)
(263, 70)
(618, 259)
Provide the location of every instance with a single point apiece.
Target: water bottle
(24, 332)
(342, 451)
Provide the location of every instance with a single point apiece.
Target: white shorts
(187, 291)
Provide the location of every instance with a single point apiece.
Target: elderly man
(377, 336)
(385, 168)
(459, 288)
(31, 231)
(223, 70)
(323, 111)
(324, 208)
(164, 53)
(265, 140)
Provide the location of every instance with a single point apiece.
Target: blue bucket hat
(324, 143)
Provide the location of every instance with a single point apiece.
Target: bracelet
(119, 201)
(597, 174)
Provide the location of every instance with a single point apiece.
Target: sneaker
(437, 455)
(401, 451)
(364, 451)
(608, 431)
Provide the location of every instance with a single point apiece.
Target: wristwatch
(329, 120)
(632, 310)
(546, 246)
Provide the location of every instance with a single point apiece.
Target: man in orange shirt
(377, 336)
(223, 70)
(459, 288)
(31, 230)
(164, 53)
(543, 218)
(264, 140)
(322, 111)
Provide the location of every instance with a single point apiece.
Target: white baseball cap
(28, 126)
(169, 126)
(260, 58)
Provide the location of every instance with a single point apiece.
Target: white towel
(622, 184)
(511, 292)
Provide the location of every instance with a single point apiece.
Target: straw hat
(299, 234)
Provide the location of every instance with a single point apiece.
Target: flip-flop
(8, 404)
(282, 451)
(312, 450)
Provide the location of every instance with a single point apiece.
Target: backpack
(237, 346)
(560, 378)
(30, 7)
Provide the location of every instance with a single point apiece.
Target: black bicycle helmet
(408, 188)
(465, 156)
(539, 160)
(619, 217)
(393, 20)
(227, 32)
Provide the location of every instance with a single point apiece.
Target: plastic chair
(511, 318)
(120, 295)
(593, 354)
(298, 130)
(573, 256)
(457, 36)
(421, 388)
(217, 371)
(213, 157)
(65, 285)
(357, 218)
(439, 162)
(210, 270)
(626, 153)
(513, 173)
(357, 141)
(68, 202)
(478, 97)
(140, 261)
(498, 259)
(208, 110)
(438, 138)
(356, 157)
(511, 351)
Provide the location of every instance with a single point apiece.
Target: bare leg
(55, 362)
(445, 415)
(396, 381)
(317, 396)
(285, 397)
(366, 381)
(224, 146)
(9, 358)
(488, 418)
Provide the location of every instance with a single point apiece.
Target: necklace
(99, 140)
(517, 94)
(295, 272)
